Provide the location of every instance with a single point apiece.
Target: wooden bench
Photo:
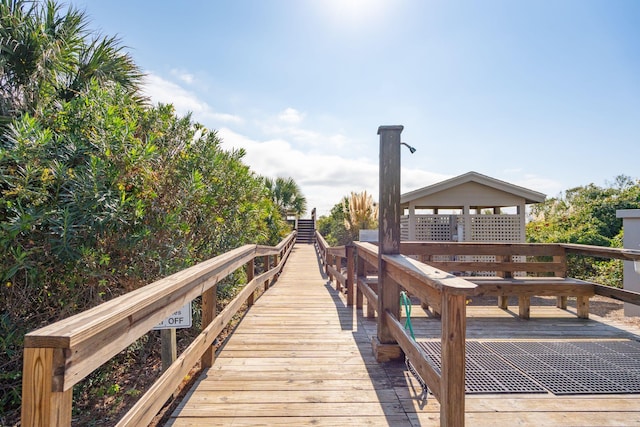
(508, 269)
(526, 287)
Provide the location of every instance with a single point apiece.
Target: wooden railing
(448, 293)
(60, 355)
(338, 265)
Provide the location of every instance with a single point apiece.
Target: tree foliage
(99, 192)
(48, 55)
(587, 215)
(287, 195)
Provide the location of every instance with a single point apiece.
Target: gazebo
(468, 208)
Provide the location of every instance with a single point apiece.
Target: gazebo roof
(471, 188)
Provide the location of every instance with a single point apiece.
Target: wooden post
(359, 273)
(209, 312)
(266, 268)
(350, 274)
(169, 348)
(503, 300)
(454, 319)
(561, 302)
(42, 405)
(250, 267)
(388, 234)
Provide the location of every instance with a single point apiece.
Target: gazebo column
(412, 222)
(466, 216)
(520, 210)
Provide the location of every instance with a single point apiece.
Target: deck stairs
(306, 231)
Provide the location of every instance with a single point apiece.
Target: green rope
(404, 298)
(406, 302)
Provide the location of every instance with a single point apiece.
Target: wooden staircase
(306, 231)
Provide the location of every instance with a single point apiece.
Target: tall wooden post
(386, 347)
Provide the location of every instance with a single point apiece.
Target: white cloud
(323, 178)
(184, 101)
(291, 116)
(184, 76)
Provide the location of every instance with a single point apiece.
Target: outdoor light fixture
(413, 150)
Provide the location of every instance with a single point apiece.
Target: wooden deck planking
(301, 357)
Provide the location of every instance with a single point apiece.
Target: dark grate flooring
(562, 368)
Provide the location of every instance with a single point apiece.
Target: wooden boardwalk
(302, 357)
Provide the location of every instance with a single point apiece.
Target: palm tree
(46, 56)
(287, 195)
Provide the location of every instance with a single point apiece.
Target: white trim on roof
(530, 196)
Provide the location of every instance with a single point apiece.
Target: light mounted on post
(411, 149)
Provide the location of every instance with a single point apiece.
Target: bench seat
(526, 287)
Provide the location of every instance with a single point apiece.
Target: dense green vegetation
(587, 215)
(101, 192)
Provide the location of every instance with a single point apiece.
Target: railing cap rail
(68, 332)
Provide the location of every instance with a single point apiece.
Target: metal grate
(562, 368)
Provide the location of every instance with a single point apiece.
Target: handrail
(602, 251)
(430, 283)
(551, 249)
(58, 356)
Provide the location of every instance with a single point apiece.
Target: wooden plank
(530, 267)
(310, 409)
(602, 251)
(618, 294)
(338, 395)
(480, 249)
(532, 288)
(413, 275)
(320, 421)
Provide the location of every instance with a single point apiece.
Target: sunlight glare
(355, 14)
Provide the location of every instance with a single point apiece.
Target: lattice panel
(496, 228)
(433, 228)
(404, 227)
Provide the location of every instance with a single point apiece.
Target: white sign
(179, 319)
(368, 235)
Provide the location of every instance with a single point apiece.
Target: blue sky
(544, 94)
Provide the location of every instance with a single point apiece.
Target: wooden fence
(357, 266)
(60, 355)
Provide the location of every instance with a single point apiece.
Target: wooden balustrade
(60, 355)
(424, 280)
(446, 293)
